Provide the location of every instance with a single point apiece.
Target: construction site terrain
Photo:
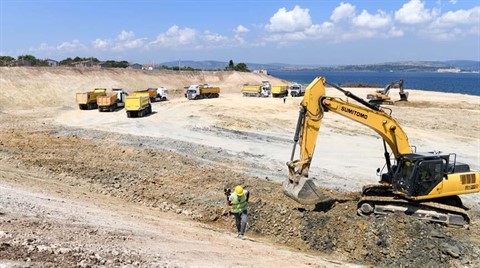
(85, 189)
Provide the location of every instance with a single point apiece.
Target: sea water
(464, 83)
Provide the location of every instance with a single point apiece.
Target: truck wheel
(129, 115)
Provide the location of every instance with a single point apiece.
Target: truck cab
(266, 88)
(297, 90)
(192, 91)
(162, 94)
(121, 94)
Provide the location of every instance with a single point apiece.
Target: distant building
(23, 62)
(51, 63)
(449, 70)
(149, 67)
(83, 64)
(261, 71)
(135, 66)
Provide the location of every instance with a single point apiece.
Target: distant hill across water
(404, 66)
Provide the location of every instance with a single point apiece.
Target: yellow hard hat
(239, 190)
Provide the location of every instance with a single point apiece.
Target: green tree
(32, 59)
(241, 67)
(66, 61)
(116, 64)
(6, 60)
(230, 66)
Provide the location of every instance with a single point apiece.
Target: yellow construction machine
(425, 185)
(381, 96)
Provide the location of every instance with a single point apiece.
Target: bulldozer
(422, 184)
(381, 96)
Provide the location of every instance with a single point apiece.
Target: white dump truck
(204, 91)
(255, 91)
(161, 94)
(297, 90)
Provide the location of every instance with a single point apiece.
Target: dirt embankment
(50, 87)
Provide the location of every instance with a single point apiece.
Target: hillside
(48, 87)
(404, 66)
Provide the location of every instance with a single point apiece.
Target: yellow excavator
(425, 185)
(381, 96)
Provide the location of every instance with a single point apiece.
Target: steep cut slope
(24, 87)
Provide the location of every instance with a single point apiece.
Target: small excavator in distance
(381, 96)
(425, 185)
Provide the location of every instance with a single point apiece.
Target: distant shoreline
(463, 83)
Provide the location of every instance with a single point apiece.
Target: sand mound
(49, 87)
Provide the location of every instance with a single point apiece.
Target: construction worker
(238, 200)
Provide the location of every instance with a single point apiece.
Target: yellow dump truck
(195, 92)
(255, 91)
(88, 100)
(111, 101)
(137, 106)
(280, 90)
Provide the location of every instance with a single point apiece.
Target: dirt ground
(88, 189)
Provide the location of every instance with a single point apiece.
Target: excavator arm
(315, 103)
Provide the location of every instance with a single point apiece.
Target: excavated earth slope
(175, 164)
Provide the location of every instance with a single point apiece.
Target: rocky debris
(42, 248)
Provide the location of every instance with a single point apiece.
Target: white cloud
(470, 16)
(345, 24)
(62, 48)
(318, 31)
(124, 35)
(213, 37)
(295, 20)
(345, 11)
(175, 36)
(129, 44)
(395, 32)
(100, 43)
(453, 24)
(377, 21)
(71, 46)
(453, 2)
(241, 29)
(414, 12)
(126, 40)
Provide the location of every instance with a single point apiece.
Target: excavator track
(431, 211)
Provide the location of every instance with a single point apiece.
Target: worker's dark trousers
(241, 221)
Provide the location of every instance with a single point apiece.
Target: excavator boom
(299, 186)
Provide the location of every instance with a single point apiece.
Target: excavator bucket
(305, 191)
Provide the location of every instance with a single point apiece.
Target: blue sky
(269, 31)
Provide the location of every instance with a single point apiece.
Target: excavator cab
(418, 174)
